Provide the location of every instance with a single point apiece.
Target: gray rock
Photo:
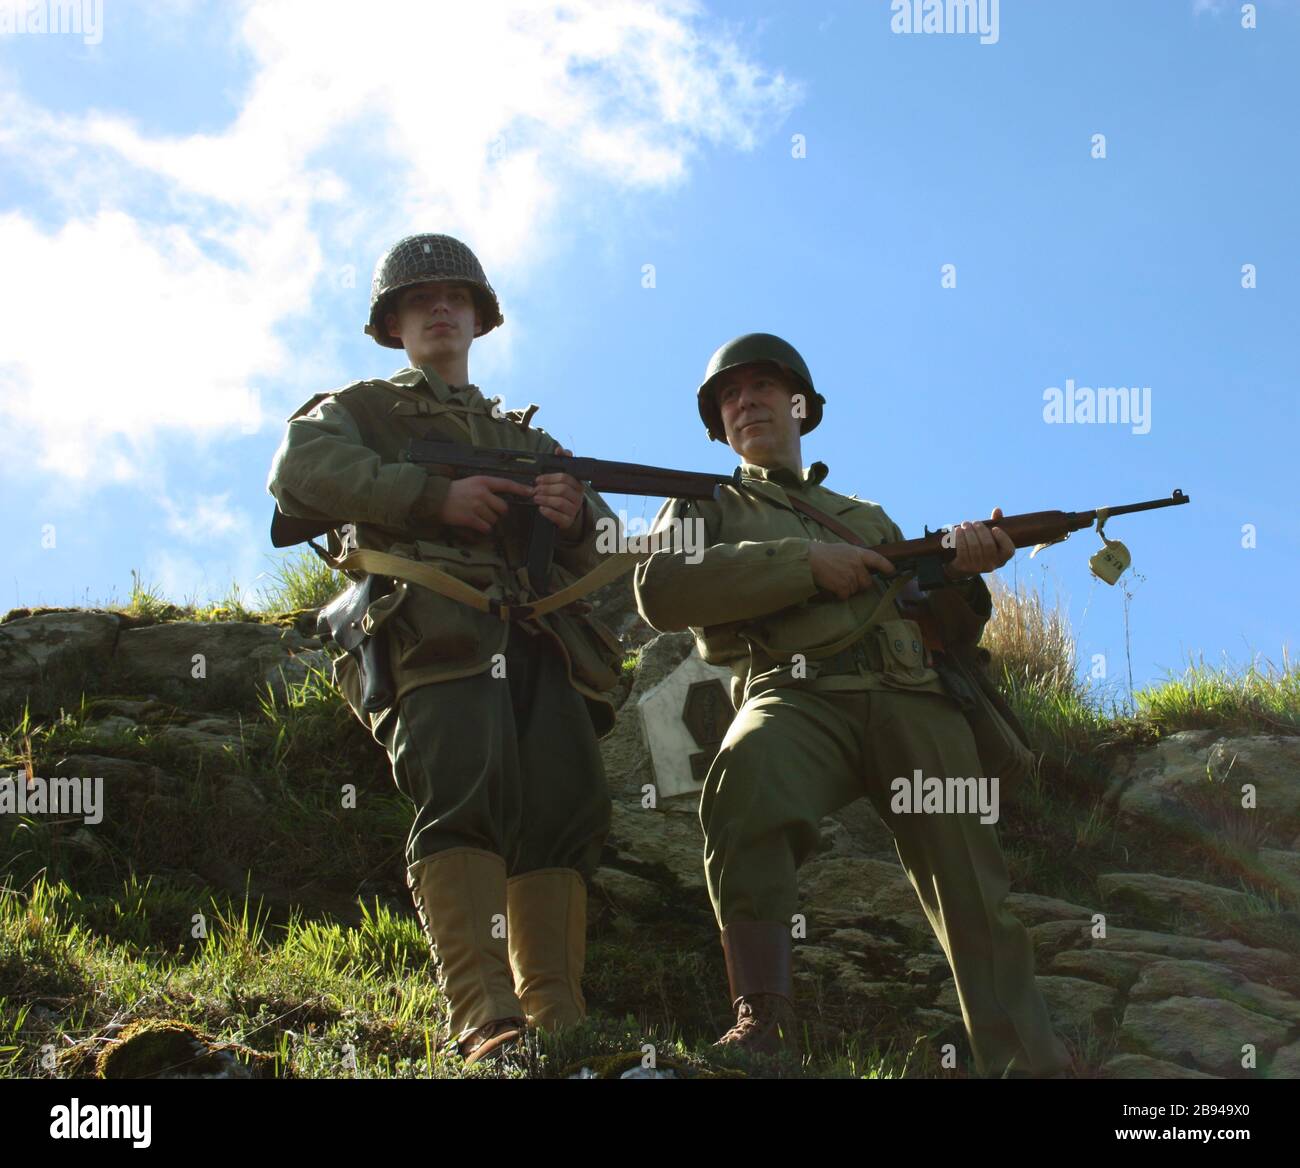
(1140, 1066)
(240, 798)
(1031, 909)
(1206, 1032)
(861, 887)
(43, 647)
(293, 673)
(627, 893)
(838, 840)
(215, 738)
(939, 1025)
(1145, 781)
(642, 836)
(1285, 1063)
(123, 778)
(1283, 867)
(85, 841)
(114, 728)
(1202, 979)
(1256, 964)
(1146, 890)
(867, 830)
(236, 657)
(825, 969)
(1270, 763)
(1071, 1003)
(928, 968)
(1115, 969)
(860, 943)
(1167, 783)
(1054, 937)
(138, 710)
(658, 658)
(1078, 1005)
(615, 604)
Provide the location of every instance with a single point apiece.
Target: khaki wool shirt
(342, 459)
(751, 600)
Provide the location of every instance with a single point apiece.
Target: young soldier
(832, 704)
(492, 727)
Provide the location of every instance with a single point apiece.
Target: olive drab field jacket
(752, 603)
(341, 459)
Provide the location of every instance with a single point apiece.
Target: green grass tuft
(302, 580)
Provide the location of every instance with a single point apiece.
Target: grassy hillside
(319, 962)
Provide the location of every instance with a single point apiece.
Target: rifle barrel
(1128, 508)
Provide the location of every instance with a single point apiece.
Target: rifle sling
(844, 532)
(903, 586)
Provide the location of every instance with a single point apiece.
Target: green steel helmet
(746, 350)
(420, 259)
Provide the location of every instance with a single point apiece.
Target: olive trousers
(507, 764)
(793, 755)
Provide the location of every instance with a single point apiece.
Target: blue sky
(192, 203)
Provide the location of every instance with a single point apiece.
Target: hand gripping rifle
(523, 466)
(344, 619)
(919, 563)
(1037, 529)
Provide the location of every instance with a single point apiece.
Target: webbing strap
(845, 532)
(386, 564)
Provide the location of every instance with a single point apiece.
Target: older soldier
(835, 699)
(492, 727)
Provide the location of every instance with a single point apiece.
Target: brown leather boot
(758, 969)
(548, 942)
(491, 1041)
(461, 897)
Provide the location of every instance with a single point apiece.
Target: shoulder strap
(829, 522)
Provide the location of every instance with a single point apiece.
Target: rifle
(928, 554)
(523, 466)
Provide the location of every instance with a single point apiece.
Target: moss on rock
(154, 1048)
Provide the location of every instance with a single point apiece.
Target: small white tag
(1110, 562)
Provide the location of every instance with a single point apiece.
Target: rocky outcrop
(50, 658)
(1233, 788)
(201, 664)
(49, 649)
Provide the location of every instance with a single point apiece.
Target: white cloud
(162, 294)
(204, 518)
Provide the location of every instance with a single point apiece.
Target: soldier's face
(757, 414)
(435, 320)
